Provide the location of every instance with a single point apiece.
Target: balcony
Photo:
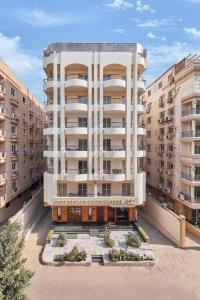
(49, 128)
(2, 113)
(2, 157)
(114, 82)
(191, 135)
(141, 109)
(76, 80)
(141, 85)
(14, 154)
(76, 128)
(76, 104)
(114, 175)
(2, 135)
(48, 83)
(115, 152)
(141, 130)
(14, 174)
(15, 190)
(14, 137)
(194, 201)
(15, 117)
(76, 175)
(14, 100)
(190, 159)
(73, 151)
(114, 105)
(115, 128)
(2, 179)
(194, 179)
(2, 91)
(141, 152)
(191, 114)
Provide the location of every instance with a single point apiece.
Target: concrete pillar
(182, 230)
(106, 214)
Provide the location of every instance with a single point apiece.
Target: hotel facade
(21, 142)
(173, 138)
(95, 149)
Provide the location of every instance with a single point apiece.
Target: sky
(168, 29)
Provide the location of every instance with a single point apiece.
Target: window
(107, 100)
(160, 85)
(124, 144)
(106, 166)
(161, 180)
(82, 122)
(24, 100)
(149, 120)
(171, 129)
(82, 166)
(90, 213)
(14, 186)
(162, 114)
(14, 147)
(162, 131)
(82, 145)
(171, 111)
(148, 174)
(148, 148)
(148, 161)
(14, 166)
(13, 110)
(149, 93)
(82, 189)
(12, 92)
(148, 109)
(13, 129)
(162, 164)
(61, 189)
(24, 131)
(106, 189)
(25, 162)
(126, 189)
(106, 122)
(148, 133)
(107, 144)
(197, 149)
(25, 178)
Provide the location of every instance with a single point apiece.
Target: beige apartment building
(95, 152)
(21, 141)
(173, 138)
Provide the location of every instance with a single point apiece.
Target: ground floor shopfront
(96, 214)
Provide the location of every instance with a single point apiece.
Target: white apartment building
(173, 138)
(95, 148)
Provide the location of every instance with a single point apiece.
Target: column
(95, 86)
(62, 115)
(129, 172)
(90, 123)
(101, 122)
(55, 114)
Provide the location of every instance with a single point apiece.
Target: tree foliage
(14, 277)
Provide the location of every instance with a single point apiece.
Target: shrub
(75, 255)
(107, 239)
(143, 234)
(132, 240)
(58, 258)
(49, 236)
(123, 255)
(62, 239)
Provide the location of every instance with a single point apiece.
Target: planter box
(85, 263)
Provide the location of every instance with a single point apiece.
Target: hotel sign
(95, 202)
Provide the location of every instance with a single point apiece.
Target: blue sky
(168, 29)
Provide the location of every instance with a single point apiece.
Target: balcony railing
(49, 124)
(14, 153)
(114, 171)
(75, 76)
(114, 101)
(190, 176)
(14, 173)
(76, 171)
(99, 194)
(2, 89)
(115, 148)
(191, 199)
(195, 133)
(190, 111)
(114, 76)
(81, 100)
(75, 124)
(115, 125)
(75, 148)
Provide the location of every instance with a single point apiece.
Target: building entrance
(122, 214)
(111, 214)
(74, 214)
(100, 214)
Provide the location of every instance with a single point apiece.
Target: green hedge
(107, 239)
(123, 255)
(62, 239)
(133, 240)
(75, 255)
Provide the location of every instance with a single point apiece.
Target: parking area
(176, 276)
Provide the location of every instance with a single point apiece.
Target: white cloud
(194, 1)
(192, 31)
(119, 30)
(41, 18)
(153, 23)
(28, 68)
(151, 35)
(144, 7)
(120, 4)
(163, 38)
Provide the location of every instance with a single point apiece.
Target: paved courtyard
(176, 276)
(94, 245)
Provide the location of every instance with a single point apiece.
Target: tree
(14, 277)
